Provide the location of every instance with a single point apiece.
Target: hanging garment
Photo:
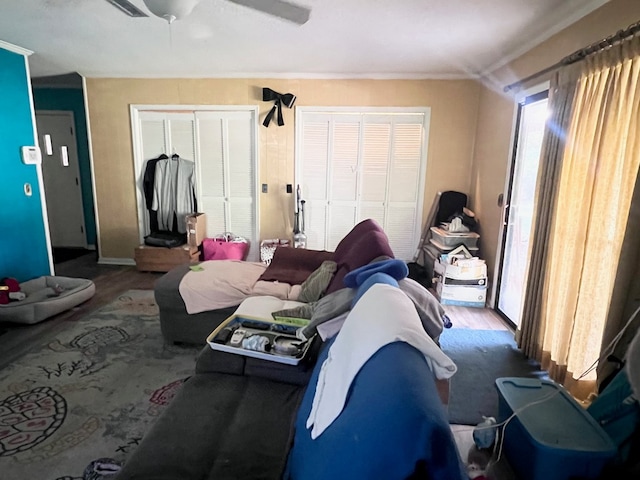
(148, 179)
(174, 192)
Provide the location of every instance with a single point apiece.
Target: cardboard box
(462, 270)
(196, 228)
(461, 295)
(161, 259)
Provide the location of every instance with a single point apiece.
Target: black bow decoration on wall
(268, 95)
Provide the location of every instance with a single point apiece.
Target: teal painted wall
(72, 99)
(23, 247)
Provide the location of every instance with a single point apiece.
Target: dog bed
(47, 296)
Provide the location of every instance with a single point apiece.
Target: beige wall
(496, 112)
(454, 106)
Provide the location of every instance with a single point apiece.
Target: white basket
(268, 248)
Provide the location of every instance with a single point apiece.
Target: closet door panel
(211, 178)
(311, 174)
(227, 173)
(375, 210)
(241, 213)
(343, 171)
(154, 138)
(210, 165)
(315, 225)
(341, 221)
(376, 151)
(400, 224)
(404, 175)
(242, 177)
(215, 211)
(182, 128)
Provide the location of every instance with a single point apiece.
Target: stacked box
(450, 240)
(196, 229)
(463, 283)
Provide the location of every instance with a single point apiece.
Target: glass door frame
(528, 97)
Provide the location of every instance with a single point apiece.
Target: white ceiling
(343, 38)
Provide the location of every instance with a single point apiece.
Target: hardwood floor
(477, 318)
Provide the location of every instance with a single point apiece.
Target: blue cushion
(393, 425)
(395, 268)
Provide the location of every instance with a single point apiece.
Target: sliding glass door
(519, 207)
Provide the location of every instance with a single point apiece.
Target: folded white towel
(383, 315)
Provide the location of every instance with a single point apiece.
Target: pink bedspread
(225, 283)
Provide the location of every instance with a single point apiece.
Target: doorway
(520, 204)
(61, 177)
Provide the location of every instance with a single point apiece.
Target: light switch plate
(31, 155)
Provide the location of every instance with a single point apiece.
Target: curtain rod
(580, 54)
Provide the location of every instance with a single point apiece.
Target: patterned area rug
(76, 407)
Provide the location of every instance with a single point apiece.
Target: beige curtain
(561, 93)
(590, 207)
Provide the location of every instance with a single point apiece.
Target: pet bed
(47, 296)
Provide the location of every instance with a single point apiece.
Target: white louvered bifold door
(357, 166)
(344, 147)
(182, 135)
(313, 179)
(227, 174)
(405, 187)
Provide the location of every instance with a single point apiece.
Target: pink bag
(222, 248)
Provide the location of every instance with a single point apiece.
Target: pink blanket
(225, 283)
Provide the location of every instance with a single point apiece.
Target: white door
(353, 165)
(61, 176)
(226, 179)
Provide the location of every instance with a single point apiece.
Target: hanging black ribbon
(268, 95)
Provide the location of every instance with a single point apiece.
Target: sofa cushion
(394, 425)
(294, 265)
(216, 427)
(361, 251)
(344, 246)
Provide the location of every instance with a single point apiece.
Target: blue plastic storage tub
(554, 439)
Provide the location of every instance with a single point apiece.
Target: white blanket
(383, 315)
(226, 283)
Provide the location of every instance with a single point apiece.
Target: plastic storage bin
(554, 439)
(448, 239)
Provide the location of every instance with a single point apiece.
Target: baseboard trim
(116, 261)
(91, 247)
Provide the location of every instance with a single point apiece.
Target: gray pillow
(316, 284)
(329, 307)
(303, 311)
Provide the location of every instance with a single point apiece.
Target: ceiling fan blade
(128, 8)
(278, 8)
